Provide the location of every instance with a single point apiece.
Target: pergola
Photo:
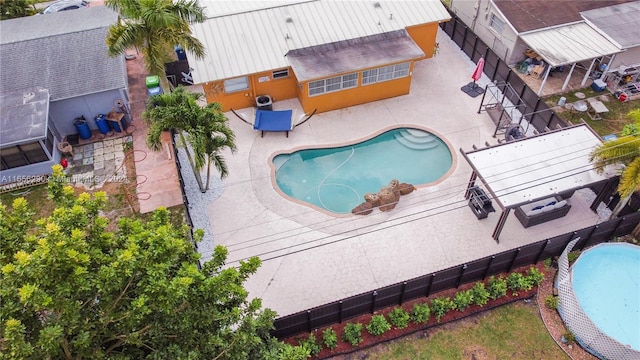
(533, 168)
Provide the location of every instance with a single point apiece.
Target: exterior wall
(259, 84)
(425, 37)
(354, 96)
(477, 16)
(63, 112)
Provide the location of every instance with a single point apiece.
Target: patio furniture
(596, 108)
(274, 120)
(480, 203)
(541, 211)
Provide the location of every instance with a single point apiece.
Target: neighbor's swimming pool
(336, 179)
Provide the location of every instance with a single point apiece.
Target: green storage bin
(153, 81)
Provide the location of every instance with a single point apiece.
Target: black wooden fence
(453, 277)
(535, 110)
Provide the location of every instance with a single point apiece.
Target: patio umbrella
(472, 89)
(477, 73)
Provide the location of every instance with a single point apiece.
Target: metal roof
(24, 116)
(321, 61)
(64, 52)
(250, 41)
(569, 44)
(536, 167)
(621, 23)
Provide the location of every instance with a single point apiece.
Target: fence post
(404, 286)
(486, 270)
(462, 269)
(542, 251)
(464, 41)
(475, 43)
(309, 321)
(373, 301)
(515, 255)
(340, 311)
(428, 292)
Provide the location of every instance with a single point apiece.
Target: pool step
(417, 140)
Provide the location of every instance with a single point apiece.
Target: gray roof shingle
(64, 52)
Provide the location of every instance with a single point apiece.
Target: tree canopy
(73, 290)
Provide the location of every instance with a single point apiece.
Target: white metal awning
(533, 168)
(569, 44)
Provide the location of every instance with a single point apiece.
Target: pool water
(336, 179)
(606, 281)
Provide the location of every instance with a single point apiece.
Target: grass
(611, 123)
(36, 196)
(512, 331)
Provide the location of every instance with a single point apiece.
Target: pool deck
(311, 258)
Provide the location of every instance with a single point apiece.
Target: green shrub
(547, 262)
(535, 276)
(569, 337)
(463, 300)
(291, 352)
(480, 294)
(353, 333)
(311, 344)
(399, 317)
(420, 313)
(441, 306)
(497, 287)
(330, 338)
(551, 302)
(573, 256)
(378, 325)
(518, 282)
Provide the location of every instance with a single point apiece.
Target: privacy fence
(453, 277)
(535, 110)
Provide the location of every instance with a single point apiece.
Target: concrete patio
(311, 258)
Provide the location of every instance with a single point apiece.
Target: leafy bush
(480, 294)
(420, 313)
(518, 282)
(497, 287)
(547, 262)
(291, 352)
(535, 276)
(573, 256)
(399, 317)
(569, 337)
(353, 333)
(551, 302)
(311, 344)
(463, 300)
(378, 325)
(330, 338)
(440, 306)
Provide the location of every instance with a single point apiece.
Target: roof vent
(289, 19)
(27, 97)
(376, 4)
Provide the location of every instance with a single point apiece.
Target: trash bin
(180, 53)
(102, 124)
(480, 203)
(598, 85)
(152, 81)
(263, 102)
(82, 127)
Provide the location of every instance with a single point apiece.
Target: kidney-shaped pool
(335, 179)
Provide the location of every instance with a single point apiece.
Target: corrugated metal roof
(248, 42)
(621, 23)
(321, 61)
(569, 44)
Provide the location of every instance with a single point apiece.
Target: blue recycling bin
(115, 125)
(180, 53)
(82, 127)
(102, 124)
(154, 91)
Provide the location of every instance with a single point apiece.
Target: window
(385, 73)
(237, 84)
(281, 74)
(21, 155)
(333, 84)
(48, 142)
(496, 24)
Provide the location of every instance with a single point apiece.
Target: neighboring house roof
(321, 61)
(621, 23)
(24, 116)
(528, 15)
(63, 52)
(242, 41)
(569, 44)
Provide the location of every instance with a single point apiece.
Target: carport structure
(519, 172)
(567, 45)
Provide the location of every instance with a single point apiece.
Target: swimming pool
(606, 283)
(335, 179)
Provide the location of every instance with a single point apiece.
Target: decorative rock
(388, 199)
(374, 199)
(405, 188)
(580, 95)
(363, 209)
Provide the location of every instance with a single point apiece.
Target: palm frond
(630, 179)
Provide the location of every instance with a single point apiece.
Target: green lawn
(509, 332)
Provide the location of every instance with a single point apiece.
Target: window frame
(386, 73)
(496, 20)
(280, 74)
(233, 84)
(28, 156)
(333, 84)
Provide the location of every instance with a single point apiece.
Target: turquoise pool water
(336, 179)
(606, 281)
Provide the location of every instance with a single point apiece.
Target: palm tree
(626, 151)
(155, 26)
(206, 128)
(11, 9)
